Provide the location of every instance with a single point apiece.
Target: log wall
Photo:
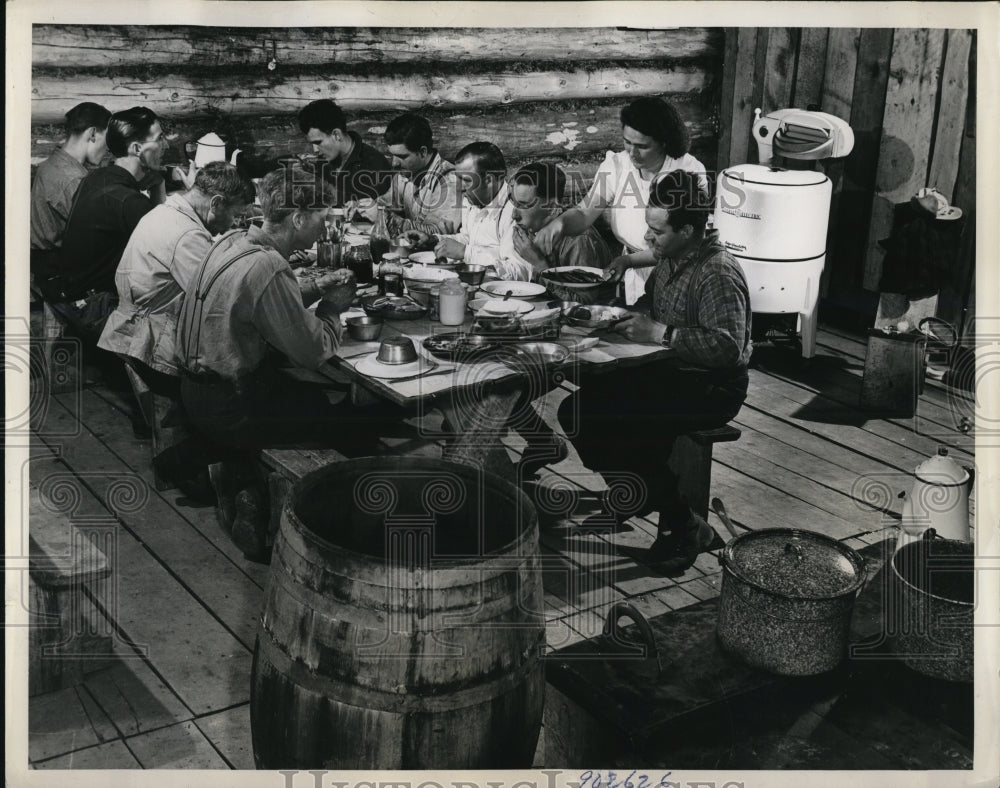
(537, 93)
(909, 96)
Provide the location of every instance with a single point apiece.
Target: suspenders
(192, 311)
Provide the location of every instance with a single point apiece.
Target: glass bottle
(380, 238)
(326, 249)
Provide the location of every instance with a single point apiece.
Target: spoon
(720, 510)
(508, 294)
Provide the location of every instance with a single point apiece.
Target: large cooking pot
(933, 587)
(787, 598)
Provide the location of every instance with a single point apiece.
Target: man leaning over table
(108, 205)
(243, 316)
(164, 252)
(357, 170)
(424, 194)
(487, 233)
(57, 179)
(699, 309)
(536, 190)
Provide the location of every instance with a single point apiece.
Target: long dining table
(479, 397)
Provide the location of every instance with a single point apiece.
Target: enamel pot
(787, 599)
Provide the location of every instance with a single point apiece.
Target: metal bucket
(931, 608)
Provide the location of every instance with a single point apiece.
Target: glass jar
(358, 260)
(451, 303)
(390, 275)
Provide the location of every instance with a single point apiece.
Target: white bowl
(517, 289)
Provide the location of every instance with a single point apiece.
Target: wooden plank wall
(537, 93)
(909, 95)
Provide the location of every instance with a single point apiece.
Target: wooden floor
(184, 617)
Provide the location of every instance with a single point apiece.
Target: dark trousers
(625, 423)
(268, 410)
(88, 315)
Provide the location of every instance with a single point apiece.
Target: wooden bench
(68, 636)
(286, 466)
(691, 460)
(61, 355)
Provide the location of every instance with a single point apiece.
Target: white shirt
(488, 235)
(624, 193)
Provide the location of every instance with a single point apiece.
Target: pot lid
(774, 176)
(213, 140)
(795, 563)
(941, 469)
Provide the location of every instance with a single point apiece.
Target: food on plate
(575, 276)
(441, 260)
(398, 303)
(580, 313)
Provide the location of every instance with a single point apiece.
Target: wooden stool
(65, 638)
(691, 460)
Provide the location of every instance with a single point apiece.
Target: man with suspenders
(243, 313)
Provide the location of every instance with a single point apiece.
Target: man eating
(163, 254)
(486, 236)
(356, 170)
(107, 208)
(424, 193)
(699, 309)
(536, 190)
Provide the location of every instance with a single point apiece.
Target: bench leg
(61, 354)
(692, 462)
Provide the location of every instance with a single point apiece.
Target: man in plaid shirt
(699, 309)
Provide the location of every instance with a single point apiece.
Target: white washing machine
(774, 222)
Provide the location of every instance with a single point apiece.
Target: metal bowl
(471, 274)
(364, 329)
(543, 352)
(397, 350)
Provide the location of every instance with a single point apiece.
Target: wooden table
(478, 398)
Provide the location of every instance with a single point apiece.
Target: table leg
(480, 425)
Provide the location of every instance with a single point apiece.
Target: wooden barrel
(403, 624)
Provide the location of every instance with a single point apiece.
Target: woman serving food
(656, 142)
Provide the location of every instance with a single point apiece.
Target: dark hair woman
(655, 142)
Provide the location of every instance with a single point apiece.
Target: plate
(428, 273)
(542, 352)
(371, 366)
(564, 269)
(429, 258)
(600, 316)
(393, 307)
(460, 347)
(517, 289)
(510, 306)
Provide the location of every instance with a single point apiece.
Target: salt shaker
(451, 303)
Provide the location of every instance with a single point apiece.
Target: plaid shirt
(704, 296)
(424, 203)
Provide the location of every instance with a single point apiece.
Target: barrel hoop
(524, 566)
(376, 700)
(365, 568)
(367, 618)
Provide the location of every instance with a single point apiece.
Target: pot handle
(612, 633)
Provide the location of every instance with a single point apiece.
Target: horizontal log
(200, 93)
(521, 133)
(83, 46)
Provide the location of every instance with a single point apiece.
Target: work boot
(674, 552)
